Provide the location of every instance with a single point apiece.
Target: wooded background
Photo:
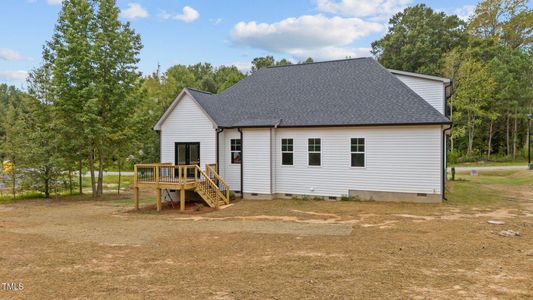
(88, 108)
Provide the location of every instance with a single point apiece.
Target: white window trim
(351, 152)
(231, 153)
(308, 152)
(281, 148)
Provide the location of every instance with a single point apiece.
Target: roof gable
(182, 94)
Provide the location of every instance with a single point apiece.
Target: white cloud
(54, 1)
(381, 9)
(329, 53)
(465, 12)
(9, 54)
(317, 36)
(14, 75)
(242, 66)
(163, 14)
(216, 21)
(188, 15)
(134, 11)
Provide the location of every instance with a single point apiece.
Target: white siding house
(187, 122)
(395, 151)
(415, 166)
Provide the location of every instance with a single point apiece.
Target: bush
(350, 198)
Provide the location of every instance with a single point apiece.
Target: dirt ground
(279, 249)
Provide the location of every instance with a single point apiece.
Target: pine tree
(115, 56)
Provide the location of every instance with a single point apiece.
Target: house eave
(343, 125)
(423, 76)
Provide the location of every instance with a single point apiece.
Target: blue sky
(216, 31)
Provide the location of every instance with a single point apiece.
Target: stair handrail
(212, 186)
(209, 169)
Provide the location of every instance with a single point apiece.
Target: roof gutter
(339, 125)
(218, 131)
(242, 161)
(444, 162)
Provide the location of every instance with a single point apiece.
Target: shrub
(350, 198)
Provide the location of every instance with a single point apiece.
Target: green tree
(417, 39)
(43, 155)
(68, 56)
(226, 76)
(115, 52)
(509, 22)
(471, 98)
(262, 62)
(12, 147)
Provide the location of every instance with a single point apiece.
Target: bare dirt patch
(281, 249)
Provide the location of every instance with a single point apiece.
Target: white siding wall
(188, 123)
(230, 172)
(256, 159)
(398, 159)
(430, 90)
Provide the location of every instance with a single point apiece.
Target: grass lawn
(490, 163)
(110, 181)
(76, 247)
(488, 187)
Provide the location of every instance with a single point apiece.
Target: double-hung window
(287, 152)
(314, 152)
(357, 146)
(236, 151)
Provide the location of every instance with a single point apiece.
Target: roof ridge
(319, 62)
(199, 91)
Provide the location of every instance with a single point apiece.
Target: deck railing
(166, 173)
(209, 184)
(212, 172)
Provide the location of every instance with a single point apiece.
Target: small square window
(314, 159)
(236, 151)
(287, 154)
(313, 147)
(357, 148)
(287, 159)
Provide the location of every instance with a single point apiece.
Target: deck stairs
(208, 184)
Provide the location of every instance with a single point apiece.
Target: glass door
(188, 154)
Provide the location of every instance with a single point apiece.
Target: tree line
(489, 59)
(87, 108)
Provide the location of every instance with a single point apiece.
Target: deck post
(136, 187)
(182, 199)
(158, 199)
(136, 198)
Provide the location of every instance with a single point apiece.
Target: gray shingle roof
(344, 92)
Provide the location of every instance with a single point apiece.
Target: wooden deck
(208, 184)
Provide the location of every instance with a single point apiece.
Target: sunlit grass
(110, 181)
(489, 163)
(483, 188)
